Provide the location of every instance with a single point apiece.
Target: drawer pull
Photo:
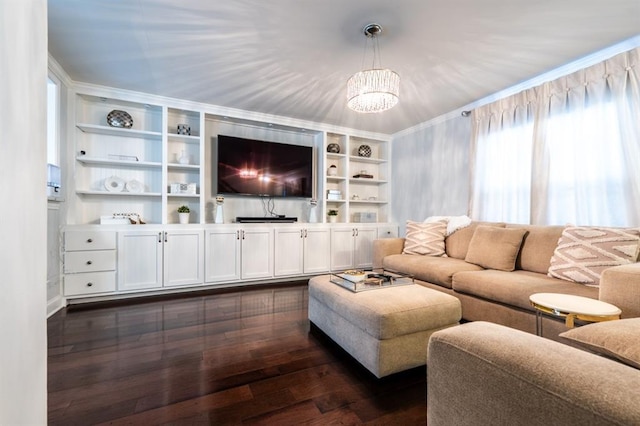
(89, 262)
(89, 284)
(90, 240)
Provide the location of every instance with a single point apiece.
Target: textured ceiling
(293, 57)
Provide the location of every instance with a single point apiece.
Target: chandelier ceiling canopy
(375, 89)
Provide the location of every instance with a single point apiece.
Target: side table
(571, 308)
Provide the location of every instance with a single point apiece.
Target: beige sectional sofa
(486, 374)
(501, 296)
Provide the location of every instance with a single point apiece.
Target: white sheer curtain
(501, 172)
(583, 144)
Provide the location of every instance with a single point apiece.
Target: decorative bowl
(333, 148)
(118, 118)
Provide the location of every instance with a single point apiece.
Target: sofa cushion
(584, 252)
(537, 247)
(614, 339)
(435, 270)
(514, 288)
(457, 244)
(425, 238)
(495, 248)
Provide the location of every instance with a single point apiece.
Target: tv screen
(253, 167)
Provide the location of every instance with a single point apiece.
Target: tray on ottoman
(358, 280)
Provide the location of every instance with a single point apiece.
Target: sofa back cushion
(538, 246)
(495, 248)
(457, 244)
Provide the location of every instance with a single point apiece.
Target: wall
(23, 219)
(430, 171)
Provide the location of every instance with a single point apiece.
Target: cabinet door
(139, 260)
(257, 253)
(183, 257)
(342, 248)
(363, 249)
(288, 251)
(317, 246)
(222, 255)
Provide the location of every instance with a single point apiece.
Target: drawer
(89, 240)
(90, 283)
(89, 261)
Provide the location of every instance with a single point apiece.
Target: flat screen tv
(266, 169)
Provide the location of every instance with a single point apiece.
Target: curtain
(567, 151)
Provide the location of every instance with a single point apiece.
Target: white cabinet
(139, 260)
(256, 253)
(157, 258)
(301, 251)
(233, 254)
(222, 254)
(352, 247)
(183, 257)
(89, 262)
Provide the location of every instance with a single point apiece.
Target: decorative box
(334, 194)
(183, 188)
(365, 217)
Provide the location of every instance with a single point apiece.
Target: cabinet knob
(89, 284)
(90, 240)
(89, 262)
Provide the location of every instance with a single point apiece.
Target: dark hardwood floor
(237, 357)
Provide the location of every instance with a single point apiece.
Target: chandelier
(375, 89)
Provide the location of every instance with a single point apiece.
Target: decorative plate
(118, 118)
(114, 184)
(135, 186)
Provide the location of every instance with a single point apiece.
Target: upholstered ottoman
(386, 330)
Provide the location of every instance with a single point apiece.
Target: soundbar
(276, 219)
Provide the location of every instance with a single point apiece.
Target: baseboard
(55, 304)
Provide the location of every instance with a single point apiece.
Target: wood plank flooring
(237, 357)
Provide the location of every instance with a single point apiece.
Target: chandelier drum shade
(376, 89)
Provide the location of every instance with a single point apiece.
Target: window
(53, 120)
(53, 138)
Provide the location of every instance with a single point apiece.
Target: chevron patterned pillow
(584, 252)
(425, 238)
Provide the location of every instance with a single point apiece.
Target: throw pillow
(584, 252)
(619, 339)
(495, 248)
(425, 238)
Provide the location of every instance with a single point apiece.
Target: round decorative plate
(118, 118)
(364, 151)
(135, 186)
(114, 184)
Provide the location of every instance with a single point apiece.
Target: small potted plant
(183, 213)
(332, 215)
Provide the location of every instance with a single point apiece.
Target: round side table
(571, 308)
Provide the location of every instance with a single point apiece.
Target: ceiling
(293, 57)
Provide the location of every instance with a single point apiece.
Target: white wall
(23, 218)
(430, 171)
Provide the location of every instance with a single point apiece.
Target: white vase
(332, 219)
(183, 217)
(219, 214)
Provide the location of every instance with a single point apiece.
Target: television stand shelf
(245, 219)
